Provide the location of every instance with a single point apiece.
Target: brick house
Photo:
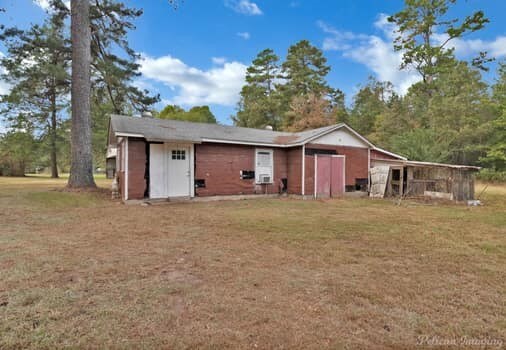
(163, 159)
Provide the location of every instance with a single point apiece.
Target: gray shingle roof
(153, 129)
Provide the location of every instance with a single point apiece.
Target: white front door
(179, 171)
(158, 171)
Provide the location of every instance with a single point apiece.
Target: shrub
(491, 175)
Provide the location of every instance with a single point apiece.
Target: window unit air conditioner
(264, 179)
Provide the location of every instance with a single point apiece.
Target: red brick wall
(220, 165)
(294, 157)
(136, 168)
(356, 164)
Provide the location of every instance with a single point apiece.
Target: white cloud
(244, 7)
(387, 28)
(469, 48)
(244, 35)
(219, 60)
(45, 4)
(218, 85)
(374, 52)
(4, 86)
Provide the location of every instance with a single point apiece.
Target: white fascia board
(126, 134)
(247, 143)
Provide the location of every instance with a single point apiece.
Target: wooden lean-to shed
(423, 179)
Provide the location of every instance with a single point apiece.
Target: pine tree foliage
(259, 103)
(197, 114)
(420, 25)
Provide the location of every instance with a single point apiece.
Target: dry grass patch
(78, 270)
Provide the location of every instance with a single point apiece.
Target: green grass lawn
(80, 270)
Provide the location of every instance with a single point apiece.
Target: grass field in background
(80, 270)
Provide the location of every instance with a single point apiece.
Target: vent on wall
(247, 174)
(200, 183)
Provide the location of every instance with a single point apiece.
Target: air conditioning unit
(264, 179)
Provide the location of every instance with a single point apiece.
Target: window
(178, 154)
(264, 166)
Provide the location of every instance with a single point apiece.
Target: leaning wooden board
(379, 179)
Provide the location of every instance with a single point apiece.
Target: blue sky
(198, 53)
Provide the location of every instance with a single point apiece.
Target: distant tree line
(197, 114)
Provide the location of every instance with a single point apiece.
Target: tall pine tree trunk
(81, 168)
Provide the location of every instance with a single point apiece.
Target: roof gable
(341, 137)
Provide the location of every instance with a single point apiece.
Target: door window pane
(178, 154)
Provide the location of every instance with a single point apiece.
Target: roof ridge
(208, 124)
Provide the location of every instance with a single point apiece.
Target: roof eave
(389, 153)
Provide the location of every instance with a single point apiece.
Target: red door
(329, 176)
(337, 177)
(323, 168)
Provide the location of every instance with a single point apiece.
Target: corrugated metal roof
(153, 129)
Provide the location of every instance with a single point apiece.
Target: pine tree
(304, 71)
(304, 81)
(418, 24)
(258, 106)
(113, 67)
(36, 65)
(112, 75)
